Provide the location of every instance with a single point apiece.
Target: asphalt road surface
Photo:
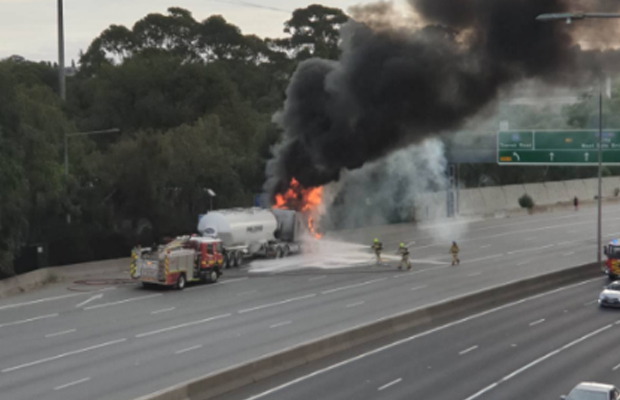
(538, 348)
(123, 342)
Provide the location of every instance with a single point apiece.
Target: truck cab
(184, 259)
(612, 264)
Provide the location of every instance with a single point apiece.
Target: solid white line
(317, 278)
(23, 321)
(71, 384)
(28, 303)
(278, 303)
(96, 297)
(232, 281)
(616, 367)
(483, 391)
(417, 336)
(468, 350)
(281, 324)
(486, 246)
(540, 321)
(163, 310)
(357, 285)
(63, 355)
(390, 384)
(418, 287)
(589, 303)
(482, 258)
(475, 274)
(569, 254)
(60, 333)
(188, 349)
(359, 303)
(524, 263)
(114, 303)
(527, 250)
(185, 325)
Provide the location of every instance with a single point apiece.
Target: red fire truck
(185, 259)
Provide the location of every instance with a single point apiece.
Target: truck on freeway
(184, 259)
(248, 232)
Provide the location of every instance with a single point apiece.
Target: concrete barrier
(472, 202)
(419, 319)
(39, 278)
(557, 192)
(494, 198)
(538, 192)
(513, 193)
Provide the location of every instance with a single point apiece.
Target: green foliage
(526, 201)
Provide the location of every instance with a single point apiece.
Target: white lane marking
(63, 355)
(226, 282)
(531, 238)
(24, 321)
(468, 350)
(524, 263)
(569, 254)
(570, 242)
(475, 274)
(66, 296)
(247, 293)
(486, 246)
(316, 278)
(414, 337)
(96, 297)
(278, 303)
(60, 333)
(387, 385)
(418, 287)
(483, 391)
(185, 325)
(540, 321)
(548, 356)
(616, 367)
(71, 384)
(280, 324)
(482, 258)
(188, 349)
(115, 303)
(357, 285)
(163, 310)
(532, 249)
(589, 303)
(359, 303)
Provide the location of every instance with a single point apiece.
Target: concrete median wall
(413, 321)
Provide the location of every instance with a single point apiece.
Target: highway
(539, 348)
(123, 342)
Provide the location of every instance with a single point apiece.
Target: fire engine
(185, 259)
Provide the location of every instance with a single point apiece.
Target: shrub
(616, 192)
(526, 201)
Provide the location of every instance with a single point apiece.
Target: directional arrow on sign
(587, 156)
(551, 155)
(515, 155)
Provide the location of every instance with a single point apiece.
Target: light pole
(61, 52)
(68, 135)
(569, 17)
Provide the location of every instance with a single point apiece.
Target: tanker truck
(249, 232)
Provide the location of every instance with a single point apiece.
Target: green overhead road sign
(552, 147)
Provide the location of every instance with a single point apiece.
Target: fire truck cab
(185, 259)
(612, 264)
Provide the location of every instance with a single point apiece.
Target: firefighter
(404, 253)
(454, 250)
(377, 246)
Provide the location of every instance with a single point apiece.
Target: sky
(29, 27)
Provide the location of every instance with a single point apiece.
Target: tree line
(193, 103)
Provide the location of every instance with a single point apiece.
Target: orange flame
(301, 199)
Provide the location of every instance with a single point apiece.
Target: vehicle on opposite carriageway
(593, 391)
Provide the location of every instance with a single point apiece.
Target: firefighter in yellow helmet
(377, 246)
(454, 250)
(404, 253)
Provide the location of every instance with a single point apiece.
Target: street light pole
(61, 52)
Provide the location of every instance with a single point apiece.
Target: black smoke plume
(394, 87)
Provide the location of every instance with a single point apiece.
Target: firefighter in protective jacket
(404, 253)
(454, 250)
(377, 246)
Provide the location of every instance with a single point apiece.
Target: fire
(301, 199)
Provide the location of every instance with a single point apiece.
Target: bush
(526, 201)
(616, 192)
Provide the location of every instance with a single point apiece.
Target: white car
(610, 296)
(593, 391)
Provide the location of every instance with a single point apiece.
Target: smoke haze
(398, 83)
